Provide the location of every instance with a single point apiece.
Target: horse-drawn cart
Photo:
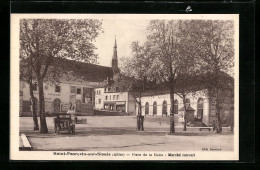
(63, 122)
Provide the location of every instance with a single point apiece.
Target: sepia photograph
(124, 87)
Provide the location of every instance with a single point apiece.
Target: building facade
(112, 94)
(60, 96)
(114, 101)
(201, 107)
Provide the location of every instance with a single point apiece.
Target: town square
(118, 133)
(124, 83)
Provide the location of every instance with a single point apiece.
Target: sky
(126, 27)
(125, 31)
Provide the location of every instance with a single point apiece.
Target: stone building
(76, 88)
(201, 107)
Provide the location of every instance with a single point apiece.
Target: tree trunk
(141, 123)
(172, 128)
(138, 121)
(140, 118)
(218, 122)
(185, 122)
(185, 115)
(34, 108)
(43, 128)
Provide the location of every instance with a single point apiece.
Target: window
(99, 101)
(110, 97)
(106, 97)
(117, 89)
(147, 108)
(164, 107)
(154, 108)
(114, 97)
(200, 109)
(78, 90)
(117, 97)
(73, 89)
(57, 88)
(34, 87)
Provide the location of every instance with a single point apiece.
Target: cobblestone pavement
(118, 133)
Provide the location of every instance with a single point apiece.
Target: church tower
(115, 60)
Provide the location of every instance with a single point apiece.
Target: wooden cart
(63, 122)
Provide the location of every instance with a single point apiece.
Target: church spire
(115, 50)
(114, 59)
(115, 46)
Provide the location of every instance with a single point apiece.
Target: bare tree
(165, 37)
(138, 69)
(47, 40)
(189, 72)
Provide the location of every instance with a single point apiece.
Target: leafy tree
(138, 69)
(188, 80)
(45, 41)
(215, 48)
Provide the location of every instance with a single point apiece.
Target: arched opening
(164, 108)
(56, 104)
(176, 106)
(147, 108)
(200, 109)
(154, 108)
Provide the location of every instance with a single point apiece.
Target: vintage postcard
(124, 87)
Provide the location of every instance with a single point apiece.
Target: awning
(120, 103)
(109, 102)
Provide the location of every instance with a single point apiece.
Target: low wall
(108, 113)
(29, 114)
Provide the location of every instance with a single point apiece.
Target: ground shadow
(108, 131)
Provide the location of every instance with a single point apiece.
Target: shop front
(115, 106)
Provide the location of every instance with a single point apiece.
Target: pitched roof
(197, 81)
(89, 72)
